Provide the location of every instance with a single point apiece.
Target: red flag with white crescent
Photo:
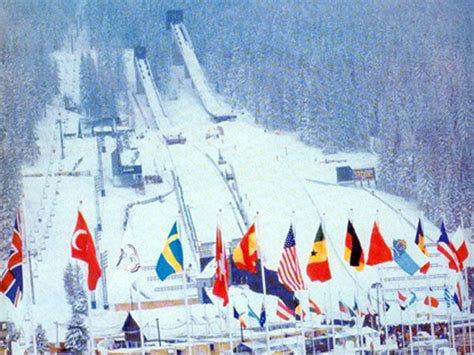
(83, 248)
(221, 287)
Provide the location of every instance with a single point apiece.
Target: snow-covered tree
(77, 335)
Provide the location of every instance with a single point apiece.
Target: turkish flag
(221, 288)
(83, 248)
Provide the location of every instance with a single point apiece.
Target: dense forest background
(393, 77)
(29, 32)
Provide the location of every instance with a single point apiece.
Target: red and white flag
(83, 248)
(313, 307)
(289, 272)
(401, 297)
(221, 287)
(283, 311)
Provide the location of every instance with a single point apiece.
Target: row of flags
(245, 257)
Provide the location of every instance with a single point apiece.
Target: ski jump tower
(183, 55)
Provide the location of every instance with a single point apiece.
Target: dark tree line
(394, 77)
(29, 32)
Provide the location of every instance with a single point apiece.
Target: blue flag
(252, 314)
(171, 259)
(263, 316)
(402, 258)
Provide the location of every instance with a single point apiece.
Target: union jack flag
(11, 282)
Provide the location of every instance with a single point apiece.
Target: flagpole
(303, 347)
(142, 325)
(264, 283)
(433, 348)
(383, 309)
(185, 290)
(229, 307)
(333, 335)
(409, 321)
(466, 283)
(22, 230)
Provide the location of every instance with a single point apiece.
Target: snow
(273, 172)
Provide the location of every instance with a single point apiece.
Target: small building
(72, 126)
(104, 127)
(126, 167)
(132, 332)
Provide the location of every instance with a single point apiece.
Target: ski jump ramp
(149, 87)
(209, 101)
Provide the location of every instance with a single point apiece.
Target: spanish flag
(245, 254)
(318, 264)
(420, 242)
(353, 252)
(171, 259)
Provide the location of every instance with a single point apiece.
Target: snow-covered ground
(284, 180)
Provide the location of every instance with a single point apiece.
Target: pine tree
(77, 335)
(41, 340)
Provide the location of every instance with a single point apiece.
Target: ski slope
(152, 93)
(274, 172)
(208, 99)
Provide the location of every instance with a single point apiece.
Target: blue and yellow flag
(171, 259)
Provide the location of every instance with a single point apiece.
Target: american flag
(289, 273)
(11, 282)
(283, 311)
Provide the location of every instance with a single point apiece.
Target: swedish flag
(171, 259)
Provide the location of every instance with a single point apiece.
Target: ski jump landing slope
(151, 91)
(208, 99)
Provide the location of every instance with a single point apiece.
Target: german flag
(353, 252)
(245, 254)
(318, 264)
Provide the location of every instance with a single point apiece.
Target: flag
(462, 252)
(318, 264)
(240, 318)
(299, 312)
(401, 297)
(289, 273)
(420, 242)
(252, 314)
(128, 259)
(313, 307)
(379, 252)
(447, 297)
(171, 259)
(283, 311)
(457, 297)
(245, 254)
(353, 252)
(402, 300)
(402, 258)
(221, 287)
(357, 310)
(431, 301)
(447, 248)
(11, 281)
(83, 248)
(263, 316)
(412, 298)
(343, 308)
(387, 306)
